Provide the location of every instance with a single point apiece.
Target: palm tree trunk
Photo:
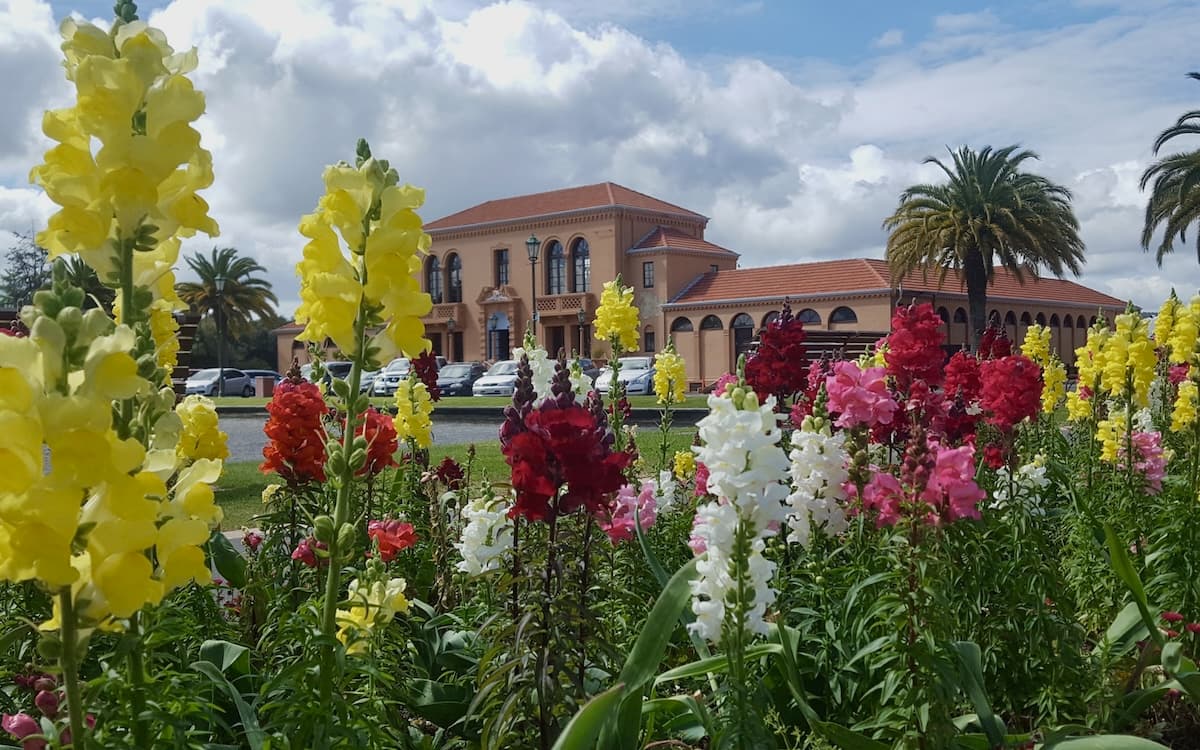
(976, 274)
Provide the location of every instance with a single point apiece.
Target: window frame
(500, 270)
(647, 274)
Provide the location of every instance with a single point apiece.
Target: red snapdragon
(295, 446)
(914, 347)
(1011, 390)
(382, 442)
(778, 367)
(391, 536)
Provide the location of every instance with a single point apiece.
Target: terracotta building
(485, 288)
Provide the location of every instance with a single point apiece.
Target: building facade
(486, 291)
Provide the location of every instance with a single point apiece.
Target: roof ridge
(637, 245)
(608, 185)
(870, 264)
(688, 286)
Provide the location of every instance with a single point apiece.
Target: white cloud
(476, 100)
(888, 39)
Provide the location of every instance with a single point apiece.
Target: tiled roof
(600, 195)
(674, 239)
(859, 275)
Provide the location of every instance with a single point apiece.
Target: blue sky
(793, 125)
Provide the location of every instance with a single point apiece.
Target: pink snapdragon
(1149, 460)
(696, 541)
(22, 725)
(859, 397)
(627, 510)
(950, 490)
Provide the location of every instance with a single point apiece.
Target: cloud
(476, 100)
(888, 39)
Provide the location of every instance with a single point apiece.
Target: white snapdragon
(1024, 489)
(664, 490)
(581, 384)
(818, 471)
(487, 536)
(542, 367)
(747, 468)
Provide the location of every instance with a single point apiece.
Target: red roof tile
(600, 195)
(674, 239)
(859, 275)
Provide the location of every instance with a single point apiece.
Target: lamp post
(491, 339)
(450, 323)
(532, 246)
(582, 316)
(219, 283)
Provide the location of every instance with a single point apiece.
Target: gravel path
(246, 438)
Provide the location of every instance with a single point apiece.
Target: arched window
(556, 269)
(769, 318)
(1040, 319)
(1080, 322)
(743, 333)
(809, 317)
(711, 323)
(433, 279)
(581, 266)
(994, 318)
(454, 280)
(843, 315)
(1026, 319)
(1068, 322)
(681, 325)
(944, 314)
(960, 315)
(1054, 321)
(1010, 318)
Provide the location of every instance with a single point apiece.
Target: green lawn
(239, 491)
(694, 401)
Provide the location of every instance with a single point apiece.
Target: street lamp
(582, 316)
(450, 323)
(219, 283)
(532, 246)
(493, 322)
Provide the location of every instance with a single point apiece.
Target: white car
(388, 380)
(637, 373)
(499, 380)
(235, 383)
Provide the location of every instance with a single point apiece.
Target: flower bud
(323, 529)
(47, 703)
(345, 537)
(44, 683)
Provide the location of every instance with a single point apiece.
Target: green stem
(341, 513)
(664, 427)
(137, 676)
(70, 666)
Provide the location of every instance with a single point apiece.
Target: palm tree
(990, 211)
(245, 296)
(1175, 199)
(82, 275)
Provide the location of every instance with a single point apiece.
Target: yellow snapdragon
(201, 436)
(1089, 360)
(371, 605)
(1183, 413)
(1110, 432)
(413, 410)
(616, 317)
(1129, 360)
(685, 465)
(1036, 345)
(128, 164)
(1185, 330)
(1164, 323)
(670, 380)
(1054, 384)
(376, 219)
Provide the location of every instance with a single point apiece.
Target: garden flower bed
(887, 552)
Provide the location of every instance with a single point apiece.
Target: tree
(82, 275)
(989, 212)
(245, 298)
(26, 270)
(1175, 198)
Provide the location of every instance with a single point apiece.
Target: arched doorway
(743, 334)
(498, 344)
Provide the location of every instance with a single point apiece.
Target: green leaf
(789, 638)
(846, 739)
(255, 737)
(1105, 742)
(1123, 567)
(440, 703)
(223, 655)
(226, 559)
(868, 649)
(970, 671)
(583, 729)
(647, 652)
(715, 664)
(1126, 630)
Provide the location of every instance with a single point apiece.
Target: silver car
(234, 383)
(637, 373)
(499, 380)
(388, 379)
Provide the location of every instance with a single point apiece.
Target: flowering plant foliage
(617, 317)
(779, 366)
(295, 448)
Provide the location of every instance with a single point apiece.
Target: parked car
(637, 373)
(590, 369)
(458, 378)
(388, 379)
(499, 380)
(235, 382)
(264, 374)
(367, 383)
